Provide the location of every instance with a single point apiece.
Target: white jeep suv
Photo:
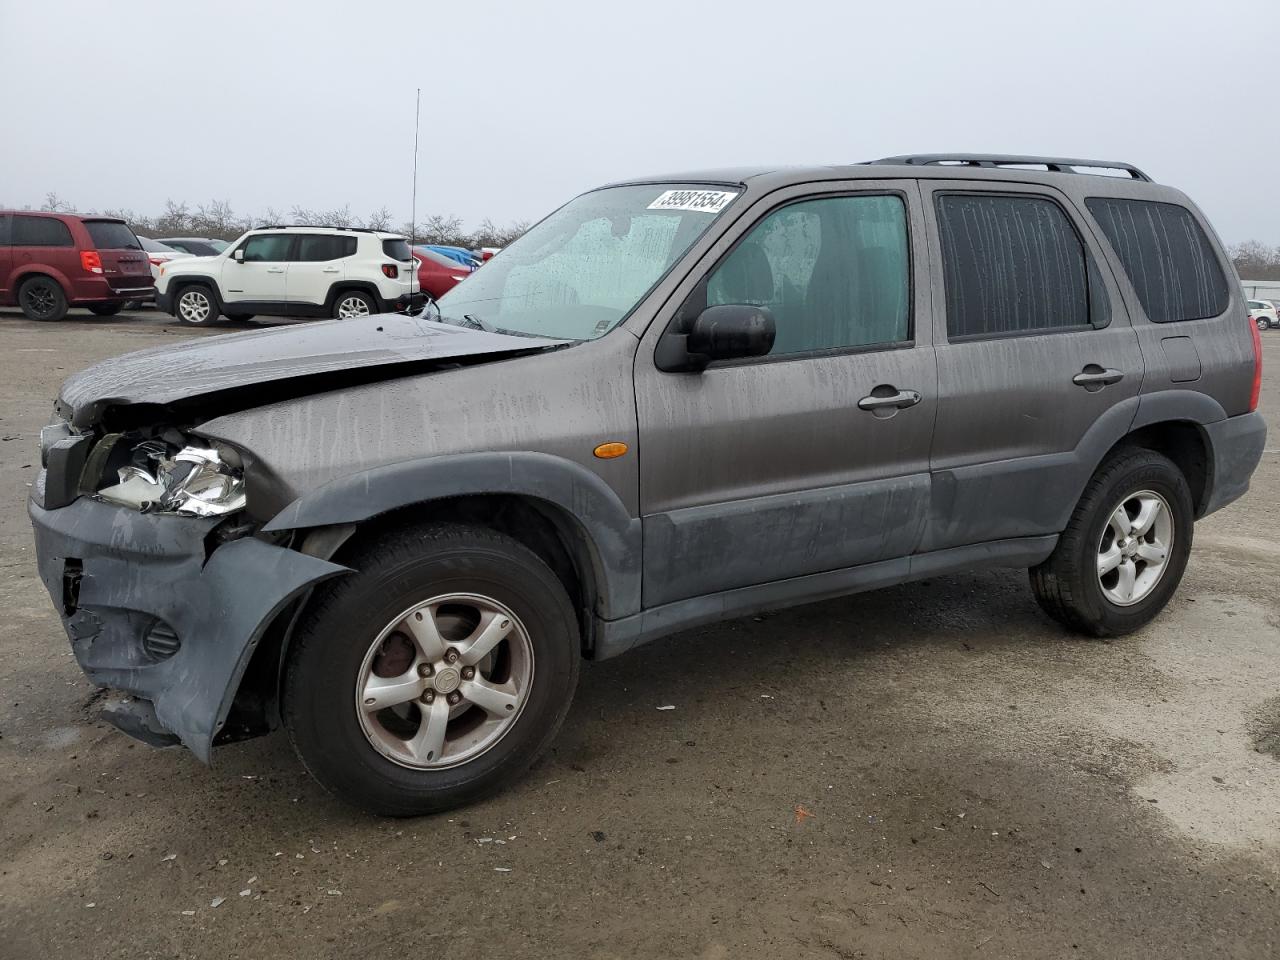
(296, 272)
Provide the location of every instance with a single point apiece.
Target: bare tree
(55, 204)
(380, 219)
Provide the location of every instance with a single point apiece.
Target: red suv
(52, 261)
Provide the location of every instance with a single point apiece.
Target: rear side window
(1011, 264)
(40, 232)
(5, 221)
(1167, 256)
(313, 249)
(397, 250)
(111, 235)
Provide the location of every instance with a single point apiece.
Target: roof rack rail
(996, 160)
(317, 226)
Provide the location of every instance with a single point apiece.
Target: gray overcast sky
(525, 104)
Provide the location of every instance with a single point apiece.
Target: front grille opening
(161, 641)
(72, 571)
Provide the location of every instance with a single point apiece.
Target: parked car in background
(488, 253)
(159, 253)
(399, 536)
(50, 262)
(438, 273)
(196, 246)
(1264, 314)
(459, 254)
(294, 271)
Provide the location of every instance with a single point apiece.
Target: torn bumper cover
(149, 614)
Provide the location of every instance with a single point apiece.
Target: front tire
(436, 674)
(1124, 550)
(351, 304)
(42, 299)
(195, 305)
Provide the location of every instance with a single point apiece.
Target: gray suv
(673, 401)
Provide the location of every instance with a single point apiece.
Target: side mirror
(727, 332)
(238, 256)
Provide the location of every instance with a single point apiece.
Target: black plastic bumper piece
(115, 574)
(138, 719)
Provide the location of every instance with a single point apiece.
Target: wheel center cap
(446, 679)
(1129, 548)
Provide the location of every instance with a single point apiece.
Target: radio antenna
(413, 214)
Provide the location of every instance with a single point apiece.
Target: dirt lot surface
(934, 770)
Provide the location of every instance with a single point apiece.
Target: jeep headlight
(196, 480)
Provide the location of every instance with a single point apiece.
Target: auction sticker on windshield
(703, 201)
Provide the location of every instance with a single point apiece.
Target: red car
(52, 261)
(437, 274)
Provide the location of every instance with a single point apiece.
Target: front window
(578, 273)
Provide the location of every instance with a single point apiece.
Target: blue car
(460, 254)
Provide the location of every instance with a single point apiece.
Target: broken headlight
(196, 481)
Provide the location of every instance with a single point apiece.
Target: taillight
(156, 261)
(90, 260)
(390, 270)
(1257, 365)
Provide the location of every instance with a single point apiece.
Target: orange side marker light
(610, 450)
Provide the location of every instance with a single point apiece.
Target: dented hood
(279, 361)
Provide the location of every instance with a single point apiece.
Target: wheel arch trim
(612, 536)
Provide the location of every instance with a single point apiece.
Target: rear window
(1167, 256)
(40, 232)
(111, 235)
(313, 249)
(397, 250)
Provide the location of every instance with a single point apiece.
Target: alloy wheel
(39, 299)
(1135, 546)
(444, 681)
(194, 307)
(352, 307)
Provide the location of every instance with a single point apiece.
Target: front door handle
(1094, 377)
(331, 270)
(899, 400)
(275, 269)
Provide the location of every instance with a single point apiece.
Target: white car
(1264, 314)
(337, 272)
(158, 253)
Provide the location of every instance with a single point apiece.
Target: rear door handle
(903, 398)
(1096, 377)
(331, 270)
(275, 269)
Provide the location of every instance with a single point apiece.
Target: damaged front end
(164, 584)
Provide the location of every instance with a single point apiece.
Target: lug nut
(468, 673)
(454, 698)
(424, 670)
(451, 656)
(428, 696)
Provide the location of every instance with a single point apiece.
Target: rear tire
(369, 626)
(105, 309)
(42, 299)
(195, 304)
(1070, 585)
(350, 304)
(1263, 323)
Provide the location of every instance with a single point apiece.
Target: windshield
(578, 273)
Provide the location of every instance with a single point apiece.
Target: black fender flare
(611, 534)
(364, 286)
(178, 281)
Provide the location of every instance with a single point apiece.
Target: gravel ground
(933, 770)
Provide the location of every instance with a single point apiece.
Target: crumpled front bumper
(150, 612)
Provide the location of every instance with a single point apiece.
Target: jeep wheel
(436, 674)
(195, 305)
(1125, 549)
(105, 309)
(353, 303)
(41, 298)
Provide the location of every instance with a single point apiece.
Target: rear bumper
(1235, 446)
(149, 611)
(411, 302)
(164, 301)
(98, 290)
